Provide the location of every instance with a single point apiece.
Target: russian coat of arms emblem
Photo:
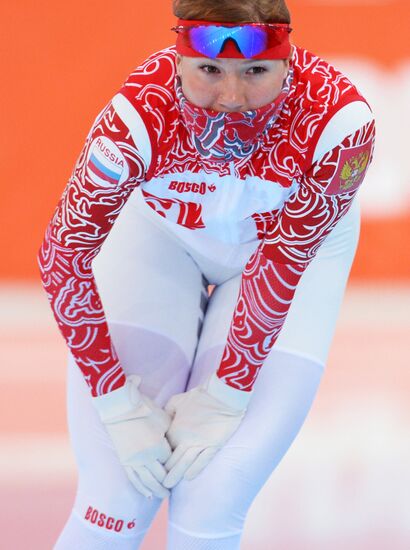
(352, 170)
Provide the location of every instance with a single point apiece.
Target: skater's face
(229, 85)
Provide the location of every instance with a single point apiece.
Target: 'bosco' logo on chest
(185, 187)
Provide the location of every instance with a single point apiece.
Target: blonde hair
(233, 11)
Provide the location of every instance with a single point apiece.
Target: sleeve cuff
(237, 399)
(119, 401)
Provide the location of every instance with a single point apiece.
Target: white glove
(137, 429)
(204, 418)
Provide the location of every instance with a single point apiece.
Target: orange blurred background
(62, 62)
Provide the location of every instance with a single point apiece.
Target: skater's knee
(216, 509)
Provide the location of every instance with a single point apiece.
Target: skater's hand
(137, 429)
(203, 419)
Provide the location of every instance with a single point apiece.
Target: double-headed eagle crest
(353, 169)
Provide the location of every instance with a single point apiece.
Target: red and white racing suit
(250, 217)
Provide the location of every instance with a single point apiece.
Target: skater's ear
(178, 62)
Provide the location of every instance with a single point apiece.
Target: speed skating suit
(172, 199)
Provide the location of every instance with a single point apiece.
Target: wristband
(237, 399)
(119, 401)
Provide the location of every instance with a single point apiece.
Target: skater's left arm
(271, 276)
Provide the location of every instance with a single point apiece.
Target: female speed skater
(230, 160)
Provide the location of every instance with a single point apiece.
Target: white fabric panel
(132, 119)
(345, 122)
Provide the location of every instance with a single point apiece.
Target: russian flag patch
(106, 165)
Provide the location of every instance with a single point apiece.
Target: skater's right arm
(108, 169)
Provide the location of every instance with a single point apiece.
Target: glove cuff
(119, 401)
(237, 399)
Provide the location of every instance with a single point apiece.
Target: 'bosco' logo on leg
(108, 522)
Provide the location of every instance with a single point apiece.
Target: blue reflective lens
(210, 40)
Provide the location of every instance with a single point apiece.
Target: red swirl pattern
(81, 223)
(187, 214)
(272, 274)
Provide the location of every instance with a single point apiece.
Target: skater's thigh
(310, 324)
(154, 298)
